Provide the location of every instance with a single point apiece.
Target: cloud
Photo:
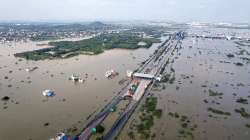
(179, 10)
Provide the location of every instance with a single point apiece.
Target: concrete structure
(146, 76)
(142, 75)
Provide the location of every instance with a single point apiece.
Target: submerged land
(204, 92)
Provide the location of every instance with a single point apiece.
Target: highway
(153, 65)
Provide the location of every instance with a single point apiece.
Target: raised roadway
(153, 65)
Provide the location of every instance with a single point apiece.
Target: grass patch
(247, 125)
(230, 55)
(148, 113)
(242, 112)
(100, 129)
(242, 101)
(214, 93)
(165, 78)
(186, 128)
(157, 113)
(171, 81)
(239, 64)
(216, 111)
(185, 133)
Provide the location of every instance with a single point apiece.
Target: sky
(237, 11)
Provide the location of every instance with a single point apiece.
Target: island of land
(92, 46)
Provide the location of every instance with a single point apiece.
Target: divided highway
(152, 66)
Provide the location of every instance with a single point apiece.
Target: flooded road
(205, 79)
(30, 115)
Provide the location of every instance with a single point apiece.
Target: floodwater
(24, 115)
(202, 65)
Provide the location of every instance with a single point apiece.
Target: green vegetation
(171, 81)
(164, 66)
(44, 38)
(144, 127)
(165, 78)
(95, 45)
(214, 93)
(185, 133)
(186, 128)
(216, 111)
(99, 138)
(246, 59)
(168, 78)
(5, 98)
(100, 129)
(148, 112)
(248, 125)
(242, 112)
(172, 69)
(150, 106)
(157, 113)
(176, 115)
(230, 55)
(131, 135)
(242, 101)
(239, 64)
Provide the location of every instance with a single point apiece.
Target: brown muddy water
(24, 116)
(202, 65)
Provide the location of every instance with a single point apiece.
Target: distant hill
(97, 24)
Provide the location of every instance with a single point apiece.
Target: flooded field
(26, 114)
(208, 98)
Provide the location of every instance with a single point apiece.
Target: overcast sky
(83, 10)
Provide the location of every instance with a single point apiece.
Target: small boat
(110, 73)
(31, 69)
(48, 93)
(74, 77)
(80, 80)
